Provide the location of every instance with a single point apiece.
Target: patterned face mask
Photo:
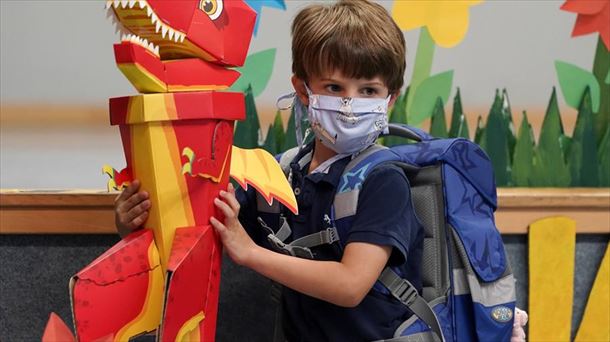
(344, 124)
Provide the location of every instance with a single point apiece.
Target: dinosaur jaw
(139, 24)
(156, 57)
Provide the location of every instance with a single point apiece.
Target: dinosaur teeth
(163, 31)
(132, 3)
(142, 3)
(171, 34)
(124, 3)
(143, 42)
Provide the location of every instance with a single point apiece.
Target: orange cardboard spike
(56, 330)
(258, 168)
(129, 277)
(192, 285)
(118, 180)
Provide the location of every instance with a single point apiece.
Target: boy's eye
(369, 91)
(333, 88)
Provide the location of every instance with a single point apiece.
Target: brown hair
(356, 37)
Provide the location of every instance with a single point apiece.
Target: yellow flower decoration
(446, 20)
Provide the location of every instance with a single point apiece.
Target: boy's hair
(357, 37)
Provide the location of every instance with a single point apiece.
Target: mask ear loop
(298, 110)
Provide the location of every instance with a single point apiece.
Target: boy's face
(335, 84)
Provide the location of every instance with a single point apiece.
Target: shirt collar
(331, 176)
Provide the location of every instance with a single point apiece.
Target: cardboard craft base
(120, 293)
(192, 286)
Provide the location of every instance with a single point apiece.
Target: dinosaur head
(216, 31)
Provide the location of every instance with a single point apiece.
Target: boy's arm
(343, 283)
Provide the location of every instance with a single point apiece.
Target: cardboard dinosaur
(177, 137)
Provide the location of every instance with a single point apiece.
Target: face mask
(347, 125)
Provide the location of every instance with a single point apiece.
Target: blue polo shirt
(385, 217)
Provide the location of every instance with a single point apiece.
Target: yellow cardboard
(595, 325)
(552, 243)
(156, 151)
(258, 168)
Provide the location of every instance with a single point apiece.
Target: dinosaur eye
(213, 8)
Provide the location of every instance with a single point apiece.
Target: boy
(346, 56)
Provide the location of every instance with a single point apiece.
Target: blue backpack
(468, 287)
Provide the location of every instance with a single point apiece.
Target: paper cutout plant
(177, 138)
(593, 17)
(443, 23)
(555, 160)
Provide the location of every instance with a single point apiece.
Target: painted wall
(57, 53)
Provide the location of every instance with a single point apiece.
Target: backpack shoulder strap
(406, 293)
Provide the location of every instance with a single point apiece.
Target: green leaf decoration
(496, 143)
(247, 132)
(524, 155)
(290, 138)
(508, 118)
(398, 114)
(582, 158)
(550, 168)
(479, 132)
(426, 93)
(603, 157)
(438, 125)
(463, 131)
(275, 135)
(456, 114)
(573, 80)
(601, 70)
(256, 72)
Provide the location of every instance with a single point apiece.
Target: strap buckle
(296, 251)
(405, 292)
(333, 235)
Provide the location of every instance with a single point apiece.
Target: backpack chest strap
(300, 247)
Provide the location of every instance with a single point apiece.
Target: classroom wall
(57, 72)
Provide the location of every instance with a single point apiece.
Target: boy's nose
(347, 93)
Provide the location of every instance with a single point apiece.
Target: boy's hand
(131, 209)
(236, 241)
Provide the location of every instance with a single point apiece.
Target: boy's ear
(393, 98)
(299, 88)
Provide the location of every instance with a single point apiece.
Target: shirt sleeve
(248, 213)
(385, 213)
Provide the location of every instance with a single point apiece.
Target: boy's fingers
(139, 221)
(231, 200)
(136, 211)
(225, 208)
(127, 192)
(217, 225)
(133, 201)
(231, 188)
